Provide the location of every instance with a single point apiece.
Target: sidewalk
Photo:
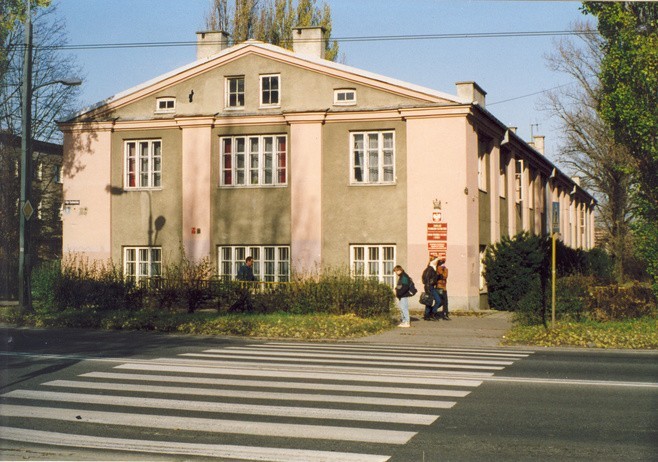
(463, 330)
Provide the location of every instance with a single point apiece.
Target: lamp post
(26, 208)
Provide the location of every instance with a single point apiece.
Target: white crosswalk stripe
(277, 392)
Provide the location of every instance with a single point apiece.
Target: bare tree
(49, 104)
(588, 148)
(270, 21)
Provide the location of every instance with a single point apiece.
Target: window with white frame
(143, 164)
(518, 180)
(345, 97)
(482, 171)
(142, 262)
(259, 160)
(166, 105)
(373, 157)
(235, 92)
(373, 262)
(270, 90)
(271, 262)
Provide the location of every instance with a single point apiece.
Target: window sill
(392, 183)
(253, 186)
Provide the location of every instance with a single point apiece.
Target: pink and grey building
(306, 165)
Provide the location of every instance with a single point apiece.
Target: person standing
(403, 290)
(441, 286)
(245, 274)
(430, 278)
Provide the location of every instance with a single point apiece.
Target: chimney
(538, 143)
(472, 92)
(309, 41)
(209, 43)
(512, 129)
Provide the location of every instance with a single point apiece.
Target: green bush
(513, 267)
(614, 302)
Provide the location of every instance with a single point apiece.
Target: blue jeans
(404, 308)
(432, 309)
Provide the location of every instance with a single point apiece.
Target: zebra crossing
(290, 401)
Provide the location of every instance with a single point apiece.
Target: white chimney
(309, 41)
(538, 143)
(209, 43)
(472, 92)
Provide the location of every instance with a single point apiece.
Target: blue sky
(505, 68)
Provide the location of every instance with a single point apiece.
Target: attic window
(165, 105)
(345, 97)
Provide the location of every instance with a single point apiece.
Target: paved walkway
(486, 330)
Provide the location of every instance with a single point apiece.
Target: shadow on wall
(154, 225)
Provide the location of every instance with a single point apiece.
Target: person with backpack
(430, 278)
(404, 289)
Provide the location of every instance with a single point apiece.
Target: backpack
(412, 287)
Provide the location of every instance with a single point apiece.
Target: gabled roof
(424, 94)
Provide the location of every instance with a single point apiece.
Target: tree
(270, 21)
(589, 149)
(629, 103)
(49, 103)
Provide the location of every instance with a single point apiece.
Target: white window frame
(165, 105)
(382, 167)
(141, 263)
(262, 91)
(369, 261)
(483, 171)
(230, 92)
(145, 168)
(519, 175)
(271, 262)
(344, 93)
(246, 167)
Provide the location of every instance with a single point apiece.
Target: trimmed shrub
(614, 302)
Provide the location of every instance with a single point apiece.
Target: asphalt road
(88, 395)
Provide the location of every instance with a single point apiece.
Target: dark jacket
(245, 273)
(430, 278)
(402, 289)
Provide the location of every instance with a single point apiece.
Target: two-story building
(305, 164)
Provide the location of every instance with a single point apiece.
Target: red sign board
(437, 239)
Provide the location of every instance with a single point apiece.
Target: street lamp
(26, 208)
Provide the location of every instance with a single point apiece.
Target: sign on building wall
(437, 239)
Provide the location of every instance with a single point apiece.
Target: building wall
(361, 214)
(87, 175)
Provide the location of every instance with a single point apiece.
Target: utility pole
(26, 209)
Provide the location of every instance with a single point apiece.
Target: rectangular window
(235, 92)
(372, 157)
(166, 105)
(143, 164)
(373, 262)
(482, 171)
(57, 174)
(518, 180)
(346, 97)
(270, 90)
(254, 160)
(141, 263)
(271, 262)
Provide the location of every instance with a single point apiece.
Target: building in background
(46, 198)
(305, 164)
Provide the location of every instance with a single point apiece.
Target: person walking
(245, 275)
(441, 287)
(403, 290)
(430, 278)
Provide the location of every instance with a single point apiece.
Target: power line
(531, 94)
(375, 38)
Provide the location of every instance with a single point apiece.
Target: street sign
(28, 210)
(556, 217)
